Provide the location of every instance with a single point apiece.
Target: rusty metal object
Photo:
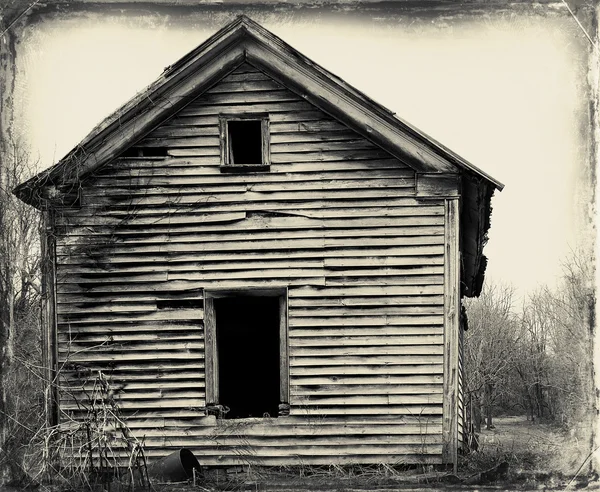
(177, 467)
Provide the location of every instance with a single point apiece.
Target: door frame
(211, 355)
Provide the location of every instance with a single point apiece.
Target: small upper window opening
(245, 142)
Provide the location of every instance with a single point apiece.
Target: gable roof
(243, 40)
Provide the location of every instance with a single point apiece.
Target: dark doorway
(248, 353)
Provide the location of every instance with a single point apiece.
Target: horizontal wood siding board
(363, 389)
(368, 380)
(277, 431)
(138, 169)
(178, 242)
(336, 221)
(188, 174)
(332, 258)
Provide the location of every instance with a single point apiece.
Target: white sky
(506, 93)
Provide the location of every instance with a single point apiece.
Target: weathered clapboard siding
(335, 220)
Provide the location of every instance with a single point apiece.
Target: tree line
(532, 358)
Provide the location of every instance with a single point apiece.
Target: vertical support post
(284, 369)
(451, 334)
(211, 357)
(49, 320)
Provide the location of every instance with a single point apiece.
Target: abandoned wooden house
(265, 264)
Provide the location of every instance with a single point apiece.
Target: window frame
(227, 166)
(211, 355)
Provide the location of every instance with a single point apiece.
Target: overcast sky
(508, 93)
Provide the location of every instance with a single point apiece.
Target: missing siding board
(146, 152)
(244, 143)
(180, 304)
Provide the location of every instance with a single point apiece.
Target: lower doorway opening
(247, 336)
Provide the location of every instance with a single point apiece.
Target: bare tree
(19, 300)
(490, 346)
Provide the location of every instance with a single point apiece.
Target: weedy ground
(533, 456)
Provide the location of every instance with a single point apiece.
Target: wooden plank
(110, 346)
(396, 204)
(195, 110)
(172, 176)
(151, 403)
(167, 131)
(451, 327)
(277, 430)
(239, 221)
(230, 84)
(336, 135)
(409, 299)
(230, 268)
(326, 147)
(405, 409)
(189, 315)
(366, 341)
(49, 318)
(437, 185)
(234, 99)
(383, 320)
(366, 360)
(210, 166)
(208, 144)
(183, 199)
(370, 331)
(227, 187)
(231, 260)
(238, 77)
(129, 337)
(397, 290)
(154, 241)
(89, 356)
(346, 310)
(374, 400)
(327, 156)
(328, 352)
(212, 355)
(309, 127)
(365, 389)
(399, 382)
(284, 361)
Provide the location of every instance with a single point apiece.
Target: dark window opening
(145, 152)
(248, 355)
(244, 139)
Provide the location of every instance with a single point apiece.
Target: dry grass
(539, 456)
(535, 446)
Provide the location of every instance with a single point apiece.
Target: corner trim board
(451, 327)
(49, 318)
